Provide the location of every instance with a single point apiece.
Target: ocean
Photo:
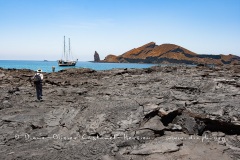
(46, 66)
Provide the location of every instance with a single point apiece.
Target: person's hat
(39, 70)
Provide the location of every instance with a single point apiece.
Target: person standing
(37, 79)
(53, 68)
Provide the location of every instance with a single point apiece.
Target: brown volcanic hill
(151, 49)
(170, 53)
(111, 58)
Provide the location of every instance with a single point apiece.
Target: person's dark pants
(39, 91)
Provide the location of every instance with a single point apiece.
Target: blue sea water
(46, 66)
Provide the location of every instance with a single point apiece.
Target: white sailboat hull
(66, 63)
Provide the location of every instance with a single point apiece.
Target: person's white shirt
(40, 74)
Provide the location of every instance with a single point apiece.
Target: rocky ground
(122, 114)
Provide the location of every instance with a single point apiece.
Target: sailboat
(67, 57)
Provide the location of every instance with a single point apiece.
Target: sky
(34, 29)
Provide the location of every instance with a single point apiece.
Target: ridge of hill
(169, 53)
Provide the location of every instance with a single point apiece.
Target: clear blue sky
(34, 29)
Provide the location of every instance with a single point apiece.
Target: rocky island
(121, 114)
(170, 53)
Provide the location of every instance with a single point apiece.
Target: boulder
(150, 108)
(154, 124)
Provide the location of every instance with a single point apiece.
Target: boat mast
(69, 47)
(64, 48)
